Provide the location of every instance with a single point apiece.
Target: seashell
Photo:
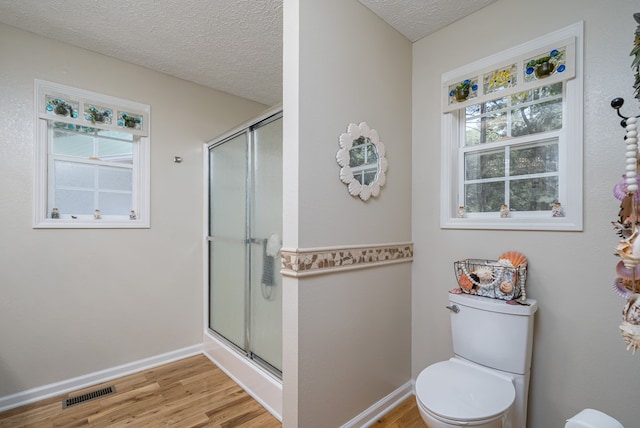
(365, 192)
(484, 273)
(343, 157)
(516, 259)
(465, 282)
(506, 287)
(621, 289)
(631, 310)
(627, 273)
(354, 131)
(455, 291)
(355, 188)
(629, 251)
(364, 130)
(346, 141)
(631, 335)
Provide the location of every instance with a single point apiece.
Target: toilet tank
(492, 332)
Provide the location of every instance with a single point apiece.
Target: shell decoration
(502, 279)
(622, 288)
(629, 250)
(343, 158)
(631, 310)
(631, 335)
(630, 327)
(516, 259)
(465, 282)
(506, 287)
(484, 273)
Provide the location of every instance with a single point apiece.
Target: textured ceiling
(231, 45)
(416, 19)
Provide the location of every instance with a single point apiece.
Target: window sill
(551, 224)
(91, 224)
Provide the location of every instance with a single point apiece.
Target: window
(92, 160)
(512, 136)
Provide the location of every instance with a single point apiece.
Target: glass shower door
(265, 341)
(227, 239)
(245, 236)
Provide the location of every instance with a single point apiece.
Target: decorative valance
(63, 104)
(551, 64)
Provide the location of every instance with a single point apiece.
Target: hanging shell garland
(627, 284)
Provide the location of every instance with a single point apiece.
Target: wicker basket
(489, 278)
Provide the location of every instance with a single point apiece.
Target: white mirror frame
(346, 174)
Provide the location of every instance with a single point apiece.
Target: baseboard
(370, 416)
(65, 386)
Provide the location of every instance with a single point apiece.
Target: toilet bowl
(486, 382)
(454, 393)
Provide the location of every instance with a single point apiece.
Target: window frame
(43, 159)
(570, 144)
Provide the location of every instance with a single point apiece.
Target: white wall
(77, 301)
(346, 335)
(579, 357)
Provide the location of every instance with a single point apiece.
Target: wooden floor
(188, 393)
(405, 415)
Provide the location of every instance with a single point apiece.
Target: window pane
(73, 174)
(115, 150)
(484, 197)
(369, 176)
(356, 156)
(481, 165)
(69, 143)
(114, 203)
(495, 127)
(535, 118)
(535, 194)
(114, 178)
(534, 160)
(524, 113)
(74, 201)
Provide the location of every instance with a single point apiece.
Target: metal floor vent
(88, 396)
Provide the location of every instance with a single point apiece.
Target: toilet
(486, 383)
(590, 418)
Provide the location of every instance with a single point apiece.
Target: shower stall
(243, 334)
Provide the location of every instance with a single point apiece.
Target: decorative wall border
(315, 261)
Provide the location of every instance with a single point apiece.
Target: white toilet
(590, 418)
(486, 383)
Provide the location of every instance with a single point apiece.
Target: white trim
(84, 381)
(44, 88)
(570, 155)
(142, 168)
(257, 382)
(521, 55)
(371, 415)
(574, 30)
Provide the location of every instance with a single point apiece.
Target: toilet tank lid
(590, 418)
(495, 305)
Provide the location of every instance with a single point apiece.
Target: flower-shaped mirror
(362, 158)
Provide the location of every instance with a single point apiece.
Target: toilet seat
(454, 391)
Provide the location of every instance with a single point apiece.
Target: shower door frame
(246, 353)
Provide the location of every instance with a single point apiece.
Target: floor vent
(88, 396)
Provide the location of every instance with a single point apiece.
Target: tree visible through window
(512, 135)
(510, 151)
